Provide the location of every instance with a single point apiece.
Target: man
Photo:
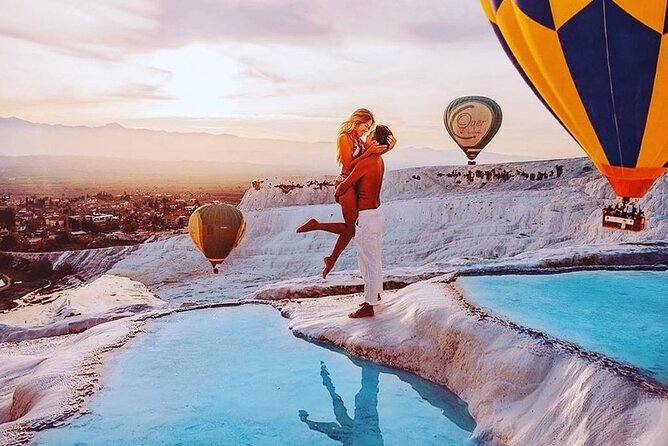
(367, 178)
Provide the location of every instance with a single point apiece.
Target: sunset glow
(265, 69)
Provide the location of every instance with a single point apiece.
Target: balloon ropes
(601, 68)
(472, 121)
(216, 229)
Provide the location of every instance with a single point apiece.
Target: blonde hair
(359, 116)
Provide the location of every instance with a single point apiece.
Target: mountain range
(53, 155)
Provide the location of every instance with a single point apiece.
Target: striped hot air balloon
(472, 121)
(216, 229)
(601, 68)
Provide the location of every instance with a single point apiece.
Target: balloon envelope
(601, 68)
(472, 121)
(216, 229)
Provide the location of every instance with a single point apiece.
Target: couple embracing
(358, 192)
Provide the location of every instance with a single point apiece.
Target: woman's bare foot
(308, 226)
(329, 264)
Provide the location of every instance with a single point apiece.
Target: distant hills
(51, 157)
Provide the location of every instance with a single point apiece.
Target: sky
(275, 69)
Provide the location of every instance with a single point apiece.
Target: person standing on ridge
(366, 179)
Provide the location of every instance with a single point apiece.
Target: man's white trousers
(369, 245)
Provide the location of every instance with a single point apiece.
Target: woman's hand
(375, 148)
(391, 141)
(369, 141)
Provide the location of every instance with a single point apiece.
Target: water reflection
(364, 428)
(250, 388)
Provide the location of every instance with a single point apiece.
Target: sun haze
(264, 69)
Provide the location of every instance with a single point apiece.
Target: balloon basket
(471, 163)
(625, 216)
(215, 270)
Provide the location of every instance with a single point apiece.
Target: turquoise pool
(622, 314)
(237, 376)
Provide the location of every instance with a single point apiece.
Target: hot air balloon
(216, 229)
(472, 121)
(601, 68)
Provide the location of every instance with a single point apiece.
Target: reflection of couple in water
(363, 429)
(358, 192)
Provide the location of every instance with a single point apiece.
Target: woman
(350, 150)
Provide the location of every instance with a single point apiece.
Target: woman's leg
(315, 225)
(348, 203)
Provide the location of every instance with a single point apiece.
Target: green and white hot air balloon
(472, 121)
(216, 229)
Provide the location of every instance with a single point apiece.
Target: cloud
(457, 33)
(258, 70)
(314, 23)
(114, 29)
(247, 21)
(140, 92)
(287, 69)
(96, 29)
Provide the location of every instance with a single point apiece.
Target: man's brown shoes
(365, 310)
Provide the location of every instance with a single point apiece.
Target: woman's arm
(364, 155)
(372, 149)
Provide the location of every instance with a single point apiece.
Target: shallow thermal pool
(237, 376)
(622, 314)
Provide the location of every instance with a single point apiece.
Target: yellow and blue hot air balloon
(472, 121)
(601, 68)
(216, 229)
